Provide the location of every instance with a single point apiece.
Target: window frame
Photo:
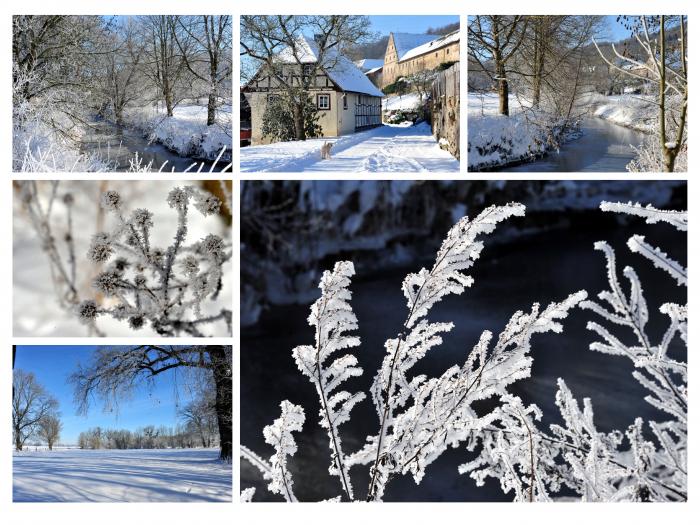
(318, 101)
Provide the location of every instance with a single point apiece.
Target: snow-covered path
(120, 475)
(383, 149)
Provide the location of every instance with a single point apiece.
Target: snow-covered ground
(36, 310)
(407, 102)
(120, 476)
(186, 132)
(402, 148)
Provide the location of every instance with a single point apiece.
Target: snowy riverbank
(638, 112)
(186, 132)
(497, 141)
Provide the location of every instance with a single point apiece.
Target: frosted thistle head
(190, 265)
(178, 198)
(107, 282)
(142, 218)
(212, 246)
(111, 200)
(207, 204)
(136, 322)
(100, 248)
(87, 311)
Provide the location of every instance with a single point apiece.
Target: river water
(119, 144)
(604, 147)
(542, 267)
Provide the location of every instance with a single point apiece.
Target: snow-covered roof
(405, 42)
(369, 64)
(431, 45)
(373, 70)
(340, 69)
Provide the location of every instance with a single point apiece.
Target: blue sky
(384, 24)
(148, 406)
(616, 31)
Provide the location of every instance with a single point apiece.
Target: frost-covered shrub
(420, 417)
(136, 281)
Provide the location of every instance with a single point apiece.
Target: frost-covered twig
(279, 435)
(332, 316)
(422, 290)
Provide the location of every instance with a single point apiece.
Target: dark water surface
(543, 267)
(120, 143)
(603, 147)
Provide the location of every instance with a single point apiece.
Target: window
(272, 98)
(323, 102)
(345, 101)
(308, 69)
(447, 51)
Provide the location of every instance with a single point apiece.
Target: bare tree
(664, 64)
(31, 404)
(122, 68)
(50, 429)
(550, 44)
(114, 372)
(165, 65)
(493, 41)
(200, 416)
(263, 38)
(205, 44)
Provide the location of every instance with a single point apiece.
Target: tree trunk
(168, 96)
(18, 441)
(502, 91)
(538, 64)
(668, 160)
(223, 403)
(211, 108)
(299, 131)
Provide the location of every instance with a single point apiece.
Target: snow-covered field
(36, 310)
(186, 132)
(120, 475)
(403, 148)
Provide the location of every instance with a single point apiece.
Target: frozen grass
(74, 475)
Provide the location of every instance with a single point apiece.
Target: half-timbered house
(345, 99)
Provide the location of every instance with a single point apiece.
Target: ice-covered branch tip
(660, 259)
(677, 219)
(458, 252)
(332, 316)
